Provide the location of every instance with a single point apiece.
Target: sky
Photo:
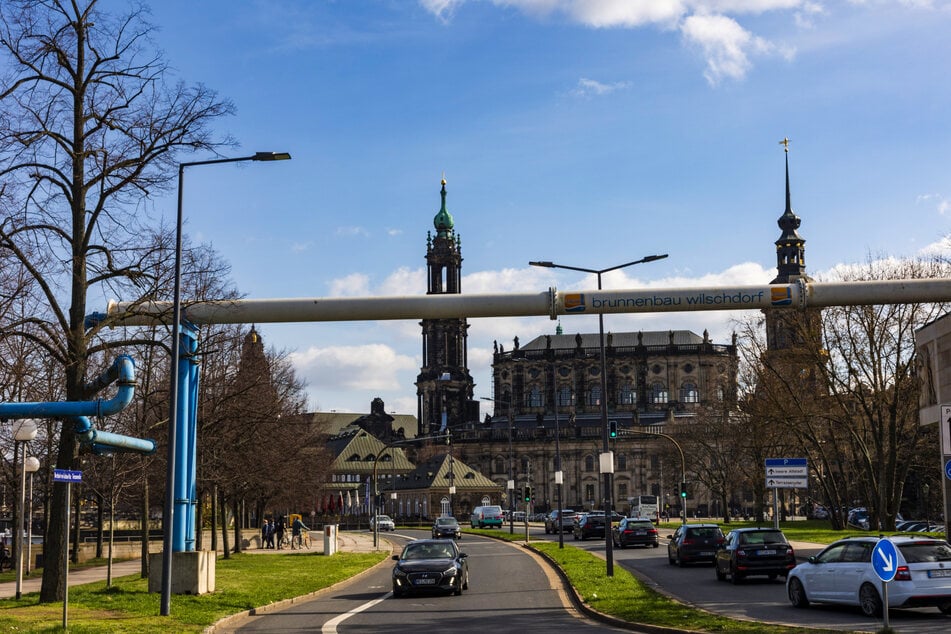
(589, 133)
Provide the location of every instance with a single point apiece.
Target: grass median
(242, 582)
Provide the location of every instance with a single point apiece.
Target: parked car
(591, 525)
(564, 518)
(692, 543)
(447, 527)
(820, 512)
(635, 531)
(754, 551)
(430, 565)
(858, 518)
(843, 573)
(384, 521)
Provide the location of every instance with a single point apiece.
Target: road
(509, 591)
(757, 598)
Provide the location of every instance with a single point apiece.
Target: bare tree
(88, 129)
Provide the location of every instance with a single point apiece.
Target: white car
(843, 573)
(384, 522)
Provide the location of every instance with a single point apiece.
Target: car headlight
(399, 572)
(450, 572)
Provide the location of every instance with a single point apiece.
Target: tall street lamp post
(559, 474)
(607, 458)
(510, 485)
(174, 419)
(31, 465)
(24, 432)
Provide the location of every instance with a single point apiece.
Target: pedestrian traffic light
(528, 494)
(612, 429)
(683, 490)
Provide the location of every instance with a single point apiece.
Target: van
(486, 517)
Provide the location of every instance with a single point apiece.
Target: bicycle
(300, 541)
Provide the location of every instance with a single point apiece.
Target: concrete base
(193, 572)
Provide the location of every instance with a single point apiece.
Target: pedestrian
(265, 531)
(279, 531)
(296, 529)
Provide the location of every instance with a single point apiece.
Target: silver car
(844, 573)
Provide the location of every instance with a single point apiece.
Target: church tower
(444, 387)
(790, 333)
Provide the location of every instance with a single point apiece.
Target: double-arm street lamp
(607, 459)
(173, 399)
(683, 468)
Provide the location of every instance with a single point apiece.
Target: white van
(486, 517)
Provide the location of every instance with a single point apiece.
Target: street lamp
(607, 458)
(510, 485)
(23, 432)
(683, 468)
(173, 416)
(559, 474)
(31, 465)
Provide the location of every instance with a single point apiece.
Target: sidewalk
(348, 542)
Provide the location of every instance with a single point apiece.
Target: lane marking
(330, 627)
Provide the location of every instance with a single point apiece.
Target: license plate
(425, 582)
(640, 532)
(765, 552)
(939, 573)
(705, 554)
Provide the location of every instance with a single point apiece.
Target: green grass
(242, 582)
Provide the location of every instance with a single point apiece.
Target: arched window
(565, 398)
(499, 465)
(658, 393)
(627, 395)
(689, 393)
(589, 463)
(594, 395)
(621, 462)
(720, 394)
(535, 397)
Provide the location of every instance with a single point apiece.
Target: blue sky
(590, 133)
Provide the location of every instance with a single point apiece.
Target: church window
(589, 463)
(627, 395)
(535, 397)
(689, 393)
(565, 398)
(659, 394)
(594, 395)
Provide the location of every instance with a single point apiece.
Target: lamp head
(271, 156)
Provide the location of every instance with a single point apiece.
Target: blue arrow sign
(885, 560)
(947, 469)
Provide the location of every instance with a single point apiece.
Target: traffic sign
(947, 469)
(787, 467)
(885, 560)
(787, 482)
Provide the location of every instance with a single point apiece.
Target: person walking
(279, 528)
(265, 532)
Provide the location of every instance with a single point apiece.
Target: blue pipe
(108, 441)
(123, 369)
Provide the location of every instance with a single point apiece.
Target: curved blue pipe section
(122, 372)
(105, 441)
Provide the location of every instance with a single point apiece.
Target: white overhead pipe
(554, 303)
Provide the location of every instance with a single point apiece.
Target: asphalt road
(756, 598)
(509, 591)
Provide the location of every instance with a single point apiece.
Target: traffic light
(521, 493)
(528, 494)
(612, 429)
(683, 490)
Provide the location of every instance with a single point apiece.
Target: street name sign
(65, 475)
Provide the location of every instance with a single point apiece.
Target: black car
(430, 565)
(693, 543)
(559, 521)
(635, 531)
(754, 551)
(447, 527)
(590, 525)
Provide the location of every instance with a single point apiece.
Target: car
(820, 512)
(430, 565)
(693, 543)
(591, 525)
(563, 519)
(844, 573)
(858, 518)
(754, 551)
(486, 516)
(635, 531)
(385, 523)
(447, 527)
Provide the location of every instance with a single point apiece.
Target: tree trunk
(224, 526)
(144, 529)
(237, 525)
(214, 518)
(99, 524)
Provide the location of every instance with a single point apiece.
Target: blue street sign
(947, 469)
(786, 462)
(65, 475)
(885, 560)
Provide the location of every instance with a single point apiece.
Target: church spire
(443, 220)
(790, 248)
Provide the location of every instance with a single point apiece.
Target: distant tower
(444, 383)
(789, 331)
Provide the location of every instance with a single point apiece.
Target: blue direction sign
(947, 469)
(65, 475)
(885, 560)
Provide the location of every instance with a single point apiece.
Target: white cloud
(351, 231)
(942, 204)
(366, 367)
(589, 87)
(300, 247)
(353, 285)
(725, 44)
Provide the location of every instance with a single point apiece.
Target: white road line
(330, 627)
